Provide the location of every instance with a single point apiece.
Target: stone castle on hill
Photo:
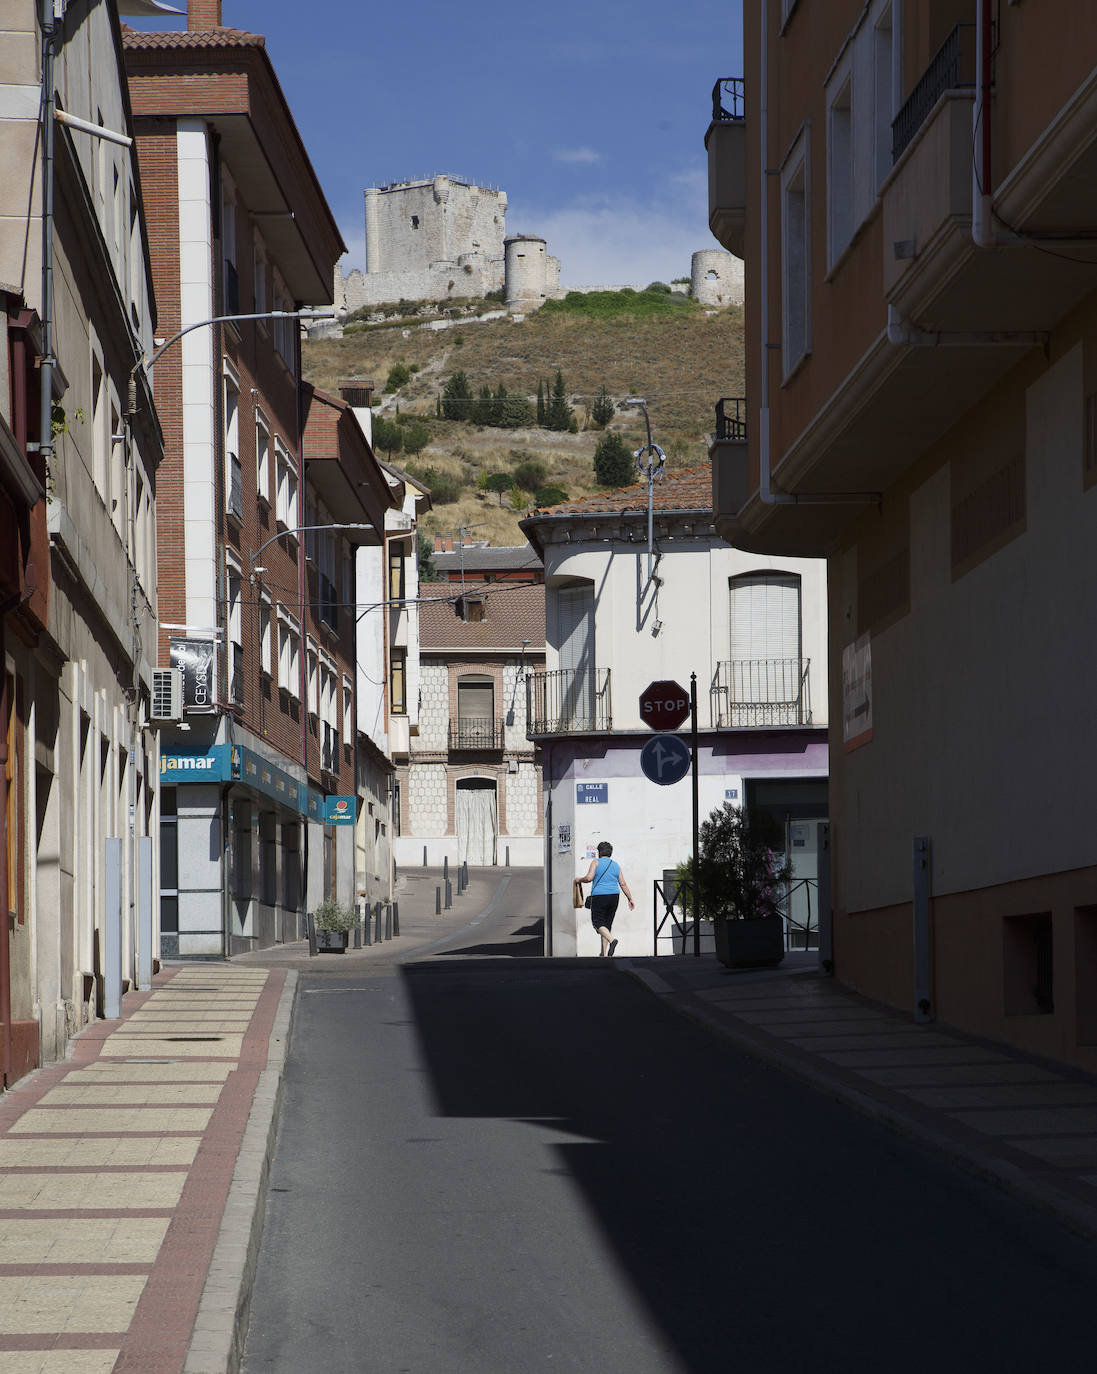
(443, 237)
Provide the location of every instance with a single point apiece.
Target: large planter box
(750, 944)
(332, 941)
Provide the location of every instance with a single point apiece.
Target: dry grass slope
(681, 362)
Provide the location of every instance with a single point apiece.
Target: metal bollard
(437, 901)
(465, 872)
(367, 934)
(396, 918)
(388, 920)
(357, 944)
(424, 856)
(449, 894)
(377, 914)
(508, 855)
(311, 927)
(445, 868)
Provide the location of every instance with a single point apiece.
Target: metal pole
(696, 811)
(388, 920)
(424, 856)
(449, 894)
(437, 901)
(367, 931)
(357, 944)
(508, 855)
(377, 916)
(445, 868)
(396, 918)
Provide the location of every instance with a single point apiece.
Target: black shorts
(603, 908)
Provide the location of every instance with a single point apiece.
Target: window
(398, 682)
(329, 715)
(475, 712)
(289, 654)
(265, 660)
(765, 677)
(396, 572)
(100, 423)
(117, 503)
(348, 711)
(234, 494)
(234, 626)
(286, 496)
(795, 257)
(136, 261)
(312, 669)
(285, 337)
(885, 72)
(259, 275)
(264, 483)
(839, 172)
(231, 292)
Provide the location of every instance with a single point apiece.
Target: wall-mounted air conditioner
(167, 694)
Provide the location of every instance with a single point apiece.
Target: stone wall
(716, 278)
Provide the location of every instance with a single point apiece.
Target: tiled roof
(185, 38)
(681, 489)
(492, 558)
(511, 614)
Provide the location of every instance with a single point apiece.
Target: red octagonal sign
(664, 705)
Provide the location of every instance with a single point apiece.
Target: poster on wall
(563, 839)
(198, 660)
(857, 693)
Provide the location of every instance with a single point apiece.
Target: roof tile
(680, 489)
(511, 613)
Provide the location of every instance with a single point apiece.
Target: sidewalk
(1027, 1124)
(130, 1175)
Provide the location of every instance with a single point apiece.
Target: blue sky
(591, 116)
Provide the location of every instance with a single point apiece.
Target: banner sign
(198, 660)
(212, 766)
(339, 810)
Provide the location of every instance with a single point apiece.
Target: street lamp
(297, 529)
(653, 471)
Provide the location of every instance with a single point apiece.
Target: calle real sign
(664, 705)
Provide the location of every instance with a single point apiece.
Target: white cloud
(577, 156)
(625, 239)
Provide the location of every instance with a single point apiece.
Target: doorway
(477, 819)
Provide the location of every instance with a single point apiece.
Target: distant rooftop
(483, 558)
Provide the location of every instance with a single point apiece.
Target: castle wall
(716, 278)
(413, 225)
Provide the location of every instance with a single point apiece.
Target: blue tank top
(605, 879)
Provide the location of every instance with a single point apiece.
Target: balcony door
(575, 613)
(765, 670)
(475, 712)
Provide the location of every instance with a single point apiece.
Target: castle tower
(525, 269)
(374, 257)
(716, 278)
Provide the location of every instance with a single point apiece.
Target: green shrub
(333, 915)
(498, 482)
(530, 475)
(457, 397)
(614, 465)
(603, 409)
(399, 375)
(549, 496)
(388, 436)
(608, 305)
(424, 556)
(416, 436)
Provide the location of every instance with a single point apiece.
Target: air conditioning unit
(167, 694)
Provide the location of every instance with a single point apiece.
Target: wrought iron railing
(952, 66)
(476, 732)
(756, 692)
(729, 100)
(731, 420)
(673, 917)
(566, 702)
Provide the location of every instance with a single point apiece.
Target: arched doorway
(477, 820)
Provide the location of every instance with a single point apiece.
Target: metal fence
(672, 917)
(476, 733)
(952, 66)
(731, 420)
(752, 692)
(729, 99)
(562, 702)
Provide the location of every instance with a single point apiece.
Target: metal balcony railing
(731, 420)
(567, 702)
(756, 692)
(476, 732)
(952, 66)
(236, 487)
(729, 99)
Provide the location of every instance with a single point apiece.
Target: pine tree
(614, 465)
(558, 413)
(457, 397)
(541, 403)
(601, 412)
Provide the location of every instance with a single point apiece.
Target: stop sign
(664, 705)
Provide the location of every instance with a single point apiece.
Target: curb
(1073, 1213)
(220, 1328)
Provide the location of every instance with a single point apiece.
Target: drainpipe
(982, 230)
(5, 936)
(45, 436)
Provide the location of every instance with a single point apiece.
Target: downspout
(766, 494)
(982, 231)
(5, 936)
(45, 436)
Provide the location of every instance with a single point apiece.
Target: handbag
(576, 893)
(587, 903)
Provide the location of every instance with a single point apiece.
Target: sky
(590, 116)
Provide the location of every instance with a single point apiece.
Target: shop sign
(339, 810)
(198, 660)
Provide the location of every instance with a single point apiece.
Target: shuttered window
(576, 615)
(765, 616)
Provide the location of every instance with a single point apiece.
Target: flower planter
(332, 941)
(750, 944)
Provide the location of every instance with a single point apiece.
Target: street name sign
(665, 759)
(664, 705)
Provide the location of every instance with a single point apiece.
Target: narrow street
(494, 1164)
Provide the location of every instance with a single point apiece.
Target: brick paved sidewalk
(1028, 1124)
(124, 1236)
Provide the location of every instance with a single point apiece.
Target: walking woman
(607, 883)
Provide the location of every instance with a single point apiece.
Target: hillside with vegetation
(502, 416)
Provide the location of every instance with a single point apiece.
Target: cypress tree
(541, 403)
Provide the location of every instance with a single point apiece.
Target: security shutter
(576, 624)
(765, 616)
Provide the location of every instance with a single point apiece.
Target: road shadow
(764, 1227)
(528, 942)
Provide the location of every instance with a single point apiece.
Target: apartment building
(621, 613)
(81, 447)
(470, 790)
(911, 183)
(268, 488)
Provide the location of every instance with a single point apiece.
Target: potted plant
(333, 922)
(740, 876)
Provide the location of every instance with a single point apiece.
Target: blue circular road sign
(665, 759)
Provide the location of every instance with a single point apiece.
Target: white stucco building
(753, 630)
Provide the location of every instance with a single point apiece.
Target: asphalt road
(504, 1164)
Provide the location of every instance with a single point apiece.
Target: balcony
(726, 144)
(728, 451)
(951, 68)
(236, 488)
(476, 734)
(566, 702)
(756, 693)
